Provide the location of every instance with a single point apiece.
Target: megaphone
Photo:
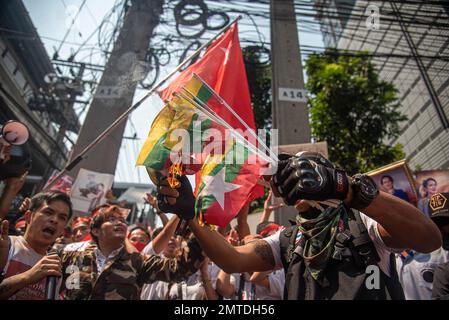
(13, 133)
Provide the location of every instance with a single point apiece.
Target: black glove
(185, 200)
(299, 178)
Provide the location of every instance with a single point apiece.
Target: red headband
(80, 221)
(269, 228)
(20, 224)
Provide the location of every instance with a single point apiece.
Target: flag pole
(96, 141)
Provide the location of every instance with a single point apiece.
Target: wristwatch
(364, 191)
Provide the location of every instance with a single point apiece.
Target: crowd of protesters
(99, 256)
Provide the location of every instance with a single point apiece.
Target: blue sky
(52, 19)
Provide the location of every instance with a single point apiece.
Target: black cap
(439, 208)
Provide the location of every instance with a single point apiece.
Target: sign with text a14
(291, 94)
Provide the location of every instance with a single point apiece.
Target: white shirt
(372, 227)
(149, 289)
(102, 260)
(416, 273)
(76, 246)
(252, 291)
(192, 289)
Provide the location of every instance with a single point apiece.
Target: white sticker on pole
(294, 95)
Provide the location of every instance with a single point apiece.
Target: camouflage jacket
(125, 274)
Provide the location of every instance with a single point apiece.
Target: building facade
(31, 93)
(409, 43)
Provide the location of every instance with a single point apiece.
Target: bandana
(138, 245)
(318, 239)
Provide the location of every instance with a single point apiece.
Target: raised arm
(211, 294)
(268, 208)
(156, 268)
(402, 225)
(161, 241)
(242, 222)
(254, 256)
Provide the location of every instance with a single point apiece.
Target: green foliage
(259, 81)
(353, 110)
(418, 168)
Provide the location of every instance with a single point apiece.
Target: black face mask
(446, 241)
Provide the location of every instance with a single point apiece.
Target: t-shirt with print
(416, 273)
(373, 232)
(21, 258)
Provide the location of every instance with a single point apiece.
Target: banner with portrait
(64, 184)
(396, 179)
(429, 182)
(89, 190)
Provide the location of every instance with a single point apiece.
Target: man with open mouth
(23, 260)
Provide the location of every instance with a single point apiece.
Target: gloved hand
(300, 178)
(180, 201)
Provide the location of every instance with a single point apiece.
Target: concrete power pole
(116, 88)
(289, 108)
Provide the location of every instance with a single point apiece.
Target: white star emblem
(217, 186)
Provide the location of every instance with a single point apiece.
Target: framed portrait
(396, 179)
(428, 183)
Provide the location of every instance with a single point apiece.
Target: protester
(198, 286)
(139, 237)
(439, 211)
(81, 229)
(332, 272)
(14, 168)
(20, 226)
(12, 187)
(267, 228)
(110, 271)
(23, 261)
(66, 237)
(416, 270)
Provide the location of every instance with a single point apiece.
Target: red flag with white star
(223, 69)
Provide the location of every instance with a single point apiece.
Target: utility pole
(289, 106)
(115, 91)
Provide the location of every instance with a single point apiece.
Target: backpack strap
(287, 243)
(365, 251)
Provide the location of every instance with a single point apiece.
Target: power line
(71, 25)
